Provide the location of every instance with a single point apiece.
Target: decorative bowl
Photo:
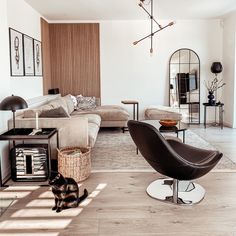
(168, 123)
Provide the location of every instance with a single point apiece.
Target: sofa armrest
(72, 131)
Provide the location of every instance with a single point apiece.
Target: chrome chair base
(175, 191)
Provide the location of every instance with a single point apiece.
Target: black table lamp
(13, 103)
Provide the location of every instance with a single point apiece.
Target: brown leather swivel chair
(179, 161)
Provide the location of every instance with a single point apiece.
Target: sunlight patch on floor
(6, 202)
(94, 193)
(35, 224)
(41, 203)
(101, 186)
(14, 194)
(21, 188)
(47, 194)
(46, 213)
(85, 202)
(36, 210)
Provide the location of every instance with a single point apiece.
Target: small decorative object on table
(168, 123)
(211, 100)
(36, 130)
(74, 162)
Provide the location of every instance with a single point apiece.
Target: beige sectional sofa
(81, 127)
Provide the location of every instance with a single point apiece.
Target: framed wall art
(38, 58)
(28, 55)
(16, 53)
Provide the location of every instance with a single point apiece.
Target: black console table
(221, 113)
(24, 134)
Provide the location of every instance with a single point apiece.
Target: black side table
(135, 107)
(221, 113)
(23, 134)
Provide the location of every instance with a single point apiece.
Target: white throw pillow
(74, 100)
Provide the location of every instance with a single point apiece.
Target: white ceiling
(129, 10)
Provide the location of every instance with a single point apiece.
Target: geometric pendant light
(152, 21)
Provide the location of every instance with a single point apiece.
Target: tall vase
(211, 97)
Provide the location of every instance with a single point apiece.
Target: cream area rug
(115, 151)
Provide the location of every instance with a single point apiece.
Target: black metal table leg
(137, 111)
(134, 113)
(205, 117)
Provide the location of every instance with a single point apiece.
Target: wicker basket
(76, 166)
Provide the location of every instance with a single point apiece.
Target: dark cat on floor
(66, 192)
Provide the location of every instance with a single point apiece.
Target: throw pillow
(74, 100)
(69, 102)
(85, 103)
(57, 112)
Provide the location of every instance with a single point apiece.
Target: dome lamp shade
(13, 103)
(216, 67)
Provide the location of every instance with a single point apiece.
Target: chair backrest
(154, 148)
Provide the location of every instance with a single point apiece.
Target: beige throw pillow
(56, 112)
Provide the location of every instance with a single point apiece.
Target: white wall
(25, 19)
(4, 80)
(18, 15)
(229, 69)
(128, 72)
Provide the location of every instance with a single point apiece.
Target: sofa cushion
(92, 133)
(116, 107)
(112, 113)
(107, 113)
(58, 102)
(162, 113)
(92, 118)
(69, 103)
(31, 113)
(56, 112)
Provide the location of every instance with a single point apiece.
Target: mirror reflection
(184, 76)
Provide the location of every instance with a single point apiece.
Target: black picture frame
(38, 66)
(28, 50)
(16, 53)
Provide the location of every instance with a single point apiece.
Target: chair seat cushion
(192, 154)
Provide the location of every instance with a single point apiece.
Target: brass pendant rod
(170, 24)
(150, 15)
(151, 49)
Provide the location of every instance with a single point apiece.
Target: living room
(118, 200)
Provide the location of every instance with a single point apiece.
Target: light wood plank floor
(223, 139)
(119, 205)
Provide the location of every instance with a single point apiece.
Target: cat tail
(83, 196)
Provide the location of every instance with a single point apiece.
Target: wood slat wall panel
(75, 58)
(46, 56)
(61, 57)
(86, 63)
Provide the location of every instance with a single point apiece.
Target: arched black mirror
(184, 76)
